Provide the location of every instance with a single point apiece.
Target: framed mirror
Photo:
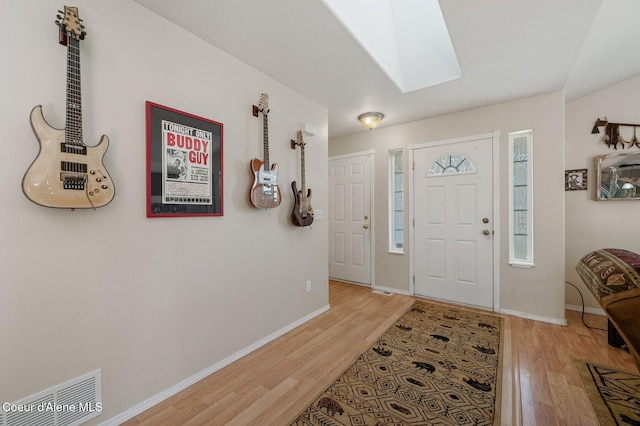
(618, 176)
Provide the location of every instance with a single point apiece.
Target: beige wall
(597, 224)
(537, 292)
(150, 301)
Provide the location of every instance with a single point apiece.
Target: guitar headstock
(263, 106)
(70, 23)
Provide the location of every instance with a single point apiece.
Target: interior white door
(350, 219)
(453, 232)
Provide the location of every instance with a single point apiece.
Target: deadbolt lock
(485, 220)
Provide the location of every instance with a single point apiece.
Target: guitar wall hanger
(612, 133)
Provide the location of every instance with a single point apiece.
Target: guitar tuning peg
(59, 11)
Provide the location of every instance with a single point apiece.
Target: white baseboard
(588, 310)
(156, 399)
(558, 321)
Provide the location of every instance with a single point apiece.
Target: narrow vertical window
(396, 209)
(521, 198)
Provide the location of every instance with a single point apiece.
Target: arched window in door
(451, 164)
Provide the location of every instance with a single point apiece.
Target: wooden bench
(613, 277)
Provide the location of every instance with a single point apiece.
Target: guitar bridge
(73, 181)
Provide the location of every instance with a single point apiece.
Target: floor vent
(384, 293)
(68, 404)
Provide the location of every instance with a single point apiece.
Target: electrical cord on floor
(582, 300)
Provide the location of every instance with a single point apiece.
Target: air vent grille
(33, 416)
(68, 404)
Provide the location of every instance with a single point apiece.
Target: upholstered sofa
(613, 277)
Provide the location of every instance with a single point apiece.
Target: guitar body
(265, 192)
(302, 214)
(85, 182)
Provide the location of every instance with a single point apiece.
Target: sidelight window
(521, 198)
(396, 207)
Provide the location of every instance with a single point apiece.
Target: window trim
(393, 153)
(529, 262)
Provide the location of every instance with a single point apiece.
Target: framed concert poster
(184, 164)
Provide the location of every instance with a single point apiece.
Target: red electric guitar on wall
(67, 173)
(265, 192)
(302, 214)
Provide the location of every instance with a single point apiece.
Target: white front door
(350, 218)
(453, 213)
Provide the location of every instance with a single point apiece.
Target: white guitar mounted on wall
(67, 173)
(265, 192)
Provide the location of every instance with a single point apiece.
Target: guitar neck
(265, 139)
(73, 127)
(304, 185)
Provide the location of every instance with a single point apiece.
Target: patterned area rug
(436, 365)
(614, 394)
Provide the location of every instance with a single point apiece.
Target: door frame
(495, 142)
(372, 227)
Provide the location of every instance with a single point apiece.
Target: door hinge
(414, 279)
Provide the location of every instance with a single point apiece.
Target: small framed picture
(575, 180)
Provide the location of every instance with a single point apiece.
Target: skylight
(408, 39)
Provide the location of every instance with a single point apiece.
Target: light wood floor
(273, 384)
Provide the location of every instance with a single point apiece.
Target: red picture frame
(184, 164)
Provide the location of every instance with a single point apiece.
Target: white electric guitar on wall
(265, 192)
(67, 173)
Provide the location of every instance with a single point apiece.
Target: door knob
(486, 232)
(365, 226)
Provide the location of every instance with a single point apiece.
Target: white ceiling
(507, 49)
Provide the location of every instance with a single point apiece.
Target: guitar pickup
(73, 149)
(70, 166)
(267, 179)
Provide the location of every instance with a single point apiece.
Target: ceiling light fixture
(370, 120)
